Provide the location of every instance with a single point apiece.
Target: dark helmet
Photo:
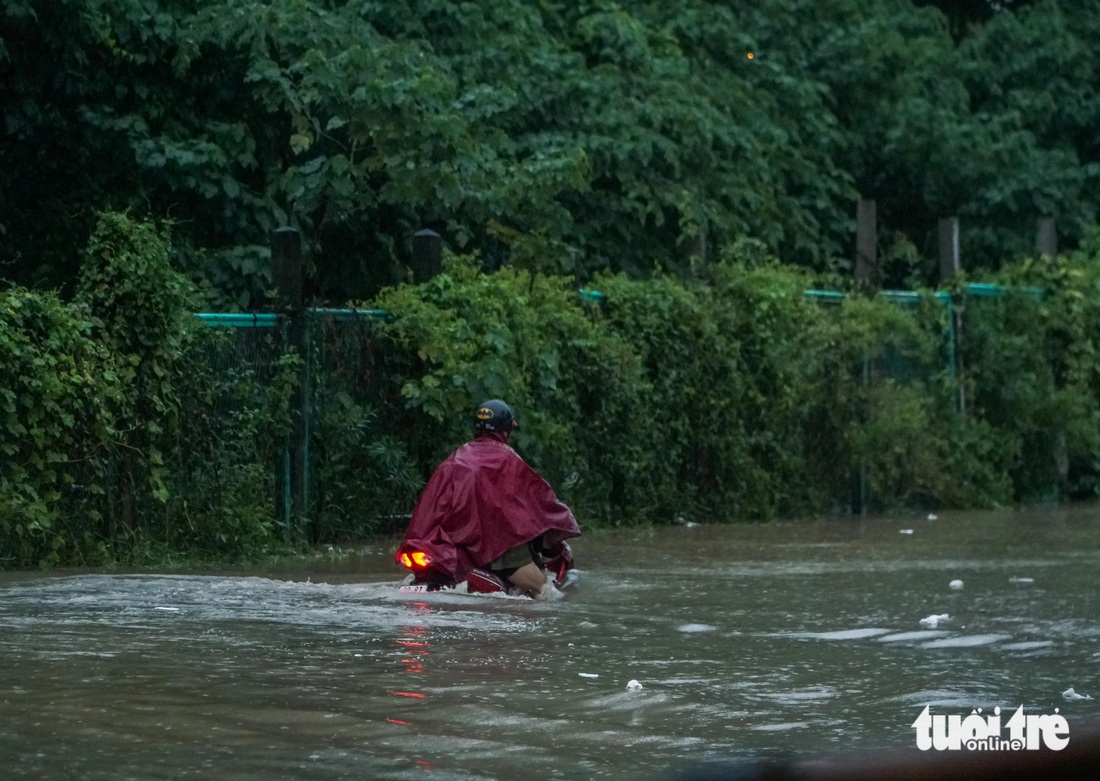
(494, 415)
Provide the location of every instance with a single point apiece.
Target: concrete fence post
(1046, 237)
(949, 247)
(866, 269)
(427, 255)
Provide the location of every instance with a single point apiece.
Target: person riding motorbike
(484, 507)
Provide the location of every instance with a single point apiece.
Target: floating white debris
(633, 686)
(1021, 580)
(589, 675)
(934, 620)
(694, 628)
(905, 531)
(933, 517)
(168, 609)
(955, 584)
(1070, 694)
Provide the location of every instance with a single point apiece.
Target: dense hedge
(1033, 372)
(733, 398)
(55, 398)
(129, 431)
(121, 436)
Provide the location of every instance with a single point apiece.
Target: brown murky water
(801, 640)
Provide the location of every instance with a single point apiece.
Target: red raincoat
(481, 501)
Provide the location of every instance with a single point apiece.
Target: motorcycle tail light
(415, 559)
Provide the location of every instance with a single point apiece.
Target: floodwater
(795, 640)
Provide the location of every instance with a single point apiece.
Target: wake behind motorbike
(556, 561)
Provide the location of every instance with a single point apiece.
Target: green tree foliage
(965, 14)
(1038, 119)
(563, 137)
(891, 84)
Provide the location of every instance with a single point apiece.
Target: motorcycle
(557, 562)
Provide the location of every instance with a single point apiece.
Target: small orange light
(415, 560)
(750, 55)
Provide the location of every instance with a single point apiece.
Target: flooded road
(798, 640)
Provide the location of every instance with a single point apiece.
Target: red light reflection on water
(415, 656)
(414, 649)
(414, 643)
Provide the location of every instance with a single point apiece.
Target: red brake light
(415, 559)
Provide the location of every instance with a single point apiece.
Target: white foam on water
(134, 600)
(811, 694)
(839, 634)
(1029, 645)
(938, 697)
(625, 700)
(685, 681)
(966, 641)
(786, 726)
(924, 634)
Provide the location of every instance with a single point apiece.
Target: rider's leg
(518, 566)
(531, 580)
